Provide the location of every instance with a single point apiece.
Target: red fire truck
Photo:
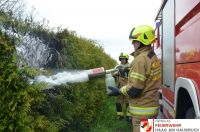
(178, 47)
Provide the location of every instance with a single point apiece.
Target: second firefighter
(121, 77)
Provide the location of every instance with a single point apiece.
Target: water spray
(73, 76)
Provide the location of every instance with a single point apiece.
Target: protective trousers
(121, 101)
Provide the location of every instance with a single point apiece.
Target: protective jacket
(143, 82)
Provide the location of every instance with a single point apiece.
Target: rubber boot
(119, 111)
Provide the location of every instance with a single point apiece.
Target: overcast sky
(108, 21)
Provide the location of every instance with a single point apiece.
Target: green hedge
(17, 97)
(70, 107)
(83, 100)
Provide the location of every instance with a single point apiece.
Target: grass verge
(107, 121)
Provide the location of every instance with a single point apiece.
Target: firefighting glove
(113, 91)
(124, 72)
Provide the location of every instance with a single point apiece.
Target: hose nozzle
(96, 72)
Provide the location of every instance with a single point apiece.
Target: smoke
(63, 78)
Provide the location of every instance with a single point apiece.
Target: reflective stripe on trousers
(143, 110)
(120, 113)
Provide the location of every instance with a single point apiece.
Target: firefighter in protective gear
(121, 77)
(144, 77)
